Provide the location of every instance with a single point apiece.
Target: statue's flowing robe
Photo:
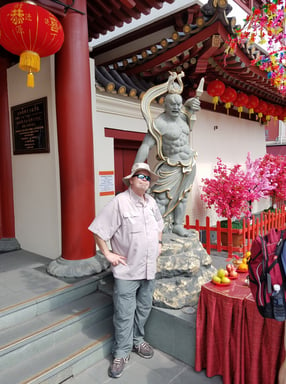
(175, 181)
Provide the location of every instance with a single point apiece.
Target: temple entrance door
(124, 155)
(126, 145)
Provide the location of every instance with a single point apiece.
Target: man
(133, 224)
(170, 131)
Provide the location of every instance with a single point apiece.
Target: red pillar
(74, 123)
(7, 221)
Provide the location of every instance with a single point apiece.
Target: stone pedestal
(9, 244)
(183, 267)
(61, 267)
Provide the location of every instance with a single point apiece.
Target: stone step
(23, 307)
(49, 326)
(58, 343)
(64, 359)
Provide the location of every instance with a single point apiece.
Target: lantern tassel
(30, 80)
(29, 61)
(215, 101)
(250, 112)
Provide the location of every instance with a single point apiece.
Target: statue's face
(173, 105)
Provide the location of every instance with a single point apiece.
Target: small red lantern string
(215, 89)
(228, 97)
(31, 32)
(240, 100)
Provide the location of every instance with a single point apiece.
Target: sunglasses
(142, 177)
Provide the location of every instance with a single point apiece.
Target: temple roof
(192, 40)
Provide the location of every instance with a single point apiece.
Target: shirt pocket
(133, 222)
(152, 219)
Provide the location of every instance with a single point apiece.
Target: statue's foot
(181, 231)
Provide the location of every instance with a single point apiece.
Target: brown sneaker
(116, 368)
(144, 350)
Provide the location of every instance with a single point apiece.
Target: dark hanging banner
(30, 127)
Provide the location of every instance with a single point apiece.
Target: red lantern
(228, 97)
(240, 102)
(282, 115)
(30, 32)
(261, 108)
(270, 111)
(215, 89)
(253, 102)
(278, 112)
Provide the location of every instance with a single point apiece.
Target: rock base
(183, 267)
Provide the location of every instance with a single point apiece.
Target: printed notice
(106, 183)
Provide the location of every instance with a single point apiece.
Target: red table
(233, 340)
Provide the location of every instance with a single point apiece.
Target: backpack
(267, 279)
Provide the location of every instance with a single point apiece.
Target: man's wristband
(160, 242)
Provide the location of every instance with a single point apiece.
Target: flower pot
(237, 239)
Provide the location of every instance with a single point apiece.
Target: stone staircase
(55, 336)
(51, 330)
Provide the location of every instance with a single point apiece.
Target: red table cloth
(233, 340)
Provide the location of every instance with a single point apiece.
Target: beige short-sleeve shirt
(132, 224)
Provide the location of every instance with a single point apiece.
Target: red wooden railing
(251, 228)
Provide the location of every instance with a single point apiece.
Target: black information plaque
(30, 127)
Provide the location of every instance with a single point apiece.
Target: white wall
(122, 113)
(36, 176)
(231, 141)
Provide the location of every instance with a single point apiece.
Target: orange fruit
(243, 267)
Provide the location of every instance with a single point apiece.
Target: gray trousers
(132, 301)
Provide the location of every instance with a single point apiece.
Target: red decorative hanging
(30, 32)
(215, 89)
(228, 97)
(240, 102)
(252, 103)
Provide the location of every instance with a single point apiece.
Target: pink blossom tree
(276, 166)
(232, 190)
(226, 191)
(257, 180)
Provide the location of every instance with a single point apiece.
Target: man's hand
(115, 259)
